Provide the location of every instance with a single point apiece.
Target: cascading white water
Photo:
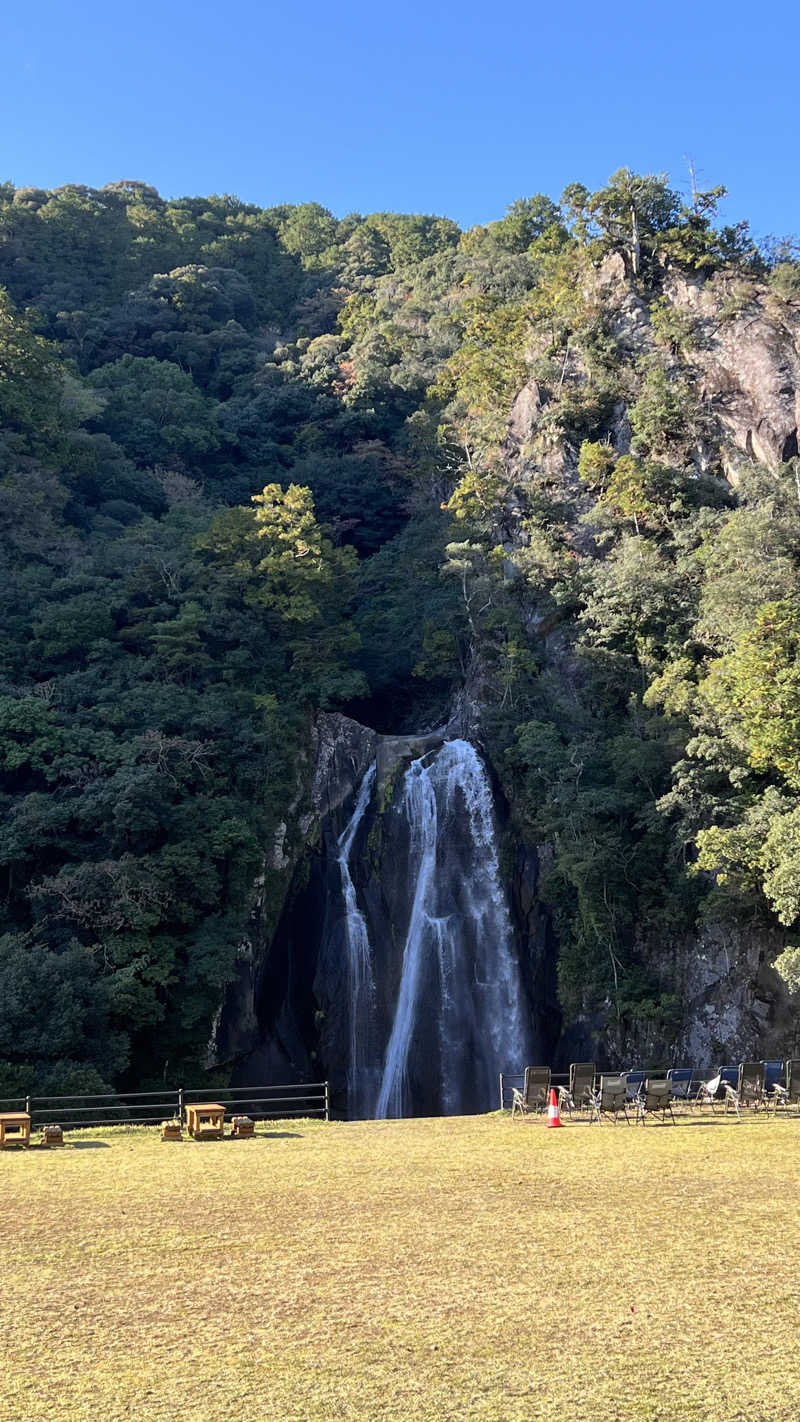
(361, 1070)
(419, 806)
(459, 934)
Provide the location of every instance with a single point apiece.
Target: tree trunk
(636, 248)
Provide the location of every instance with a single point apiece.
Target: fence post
(180, 1103)
(28, 1105)
(327, 1103)
(501, 1092)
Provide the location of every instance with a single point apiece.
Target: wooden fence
(149, 1108)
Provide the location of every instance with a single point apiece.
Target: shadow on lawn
(679, 1121)
(721, 1122)
(89, 1145)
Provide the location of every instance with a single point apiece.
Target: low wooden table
(206, 1118)
(15, 1128)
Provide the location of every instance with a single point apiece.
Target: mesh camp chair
(534, 1094)
(729, 1089)
(581, 1085)
(773, 1077)
(789, 1094)
(750, 1086)
(610, 1099)
(634, 1081)
(655, 1100)
(680, 1079)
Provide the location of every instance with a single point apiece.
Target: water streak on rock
(361, 1070)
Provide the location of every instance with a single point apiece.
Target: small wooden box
(15, 1128)
(171, 1131)
(52, 1135)
(242, 1127)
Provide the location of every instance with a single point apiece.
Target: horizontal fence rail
(149, 1108)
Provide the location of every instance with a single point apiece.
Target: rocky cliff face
(741, 343)
(745, 353)
(733, 1003)
(741, 353)
(289, 1014)
(301, 994)
(288, 1017)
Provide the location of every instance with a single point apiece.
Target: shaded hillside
(254, 463)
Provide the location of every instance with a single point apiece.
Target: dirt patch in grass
(464, 1270)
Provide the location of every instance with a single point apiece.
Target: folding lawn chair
(581, 1085)
(719, 1090)
(707, 1091)
(656, 1098)
(565, 1101)
(774, 1075)
(730, 1097)
(609, 1099)
(634, 1081)
(680, 1079)
(534, 1094)
(750, 1086)
(788, 1094)
(729, 1089)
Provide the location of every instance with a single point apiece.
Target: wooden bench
(205, 1120)
(15, 1128)
(242, 1127)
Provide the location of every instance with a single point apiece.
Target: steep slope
(536, 482)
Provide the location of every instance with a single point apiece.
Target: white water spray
(361, 1074)
(460, 932)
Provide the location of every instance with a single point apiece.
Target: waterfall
(395, 970)
(419, 806)
(361, 1069)
(460, 990)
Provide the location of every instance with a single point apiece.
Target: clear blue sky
(455, 108)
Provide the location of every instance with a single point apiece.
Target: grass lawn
(463, 1270)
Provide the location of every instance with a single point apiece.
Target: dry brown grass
(462, 1270)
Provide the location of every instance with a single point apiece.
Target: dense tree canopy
(257, 462)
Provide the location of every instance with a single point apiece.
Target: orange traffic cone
(553, 1113)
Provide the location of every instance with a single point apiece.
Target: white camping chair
(732, 1098)
(707, 1094)
(707, 1091)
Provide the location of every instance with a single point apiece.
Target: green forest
(258, 463)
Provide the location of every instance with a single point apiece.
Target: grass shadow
(721, 1122)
